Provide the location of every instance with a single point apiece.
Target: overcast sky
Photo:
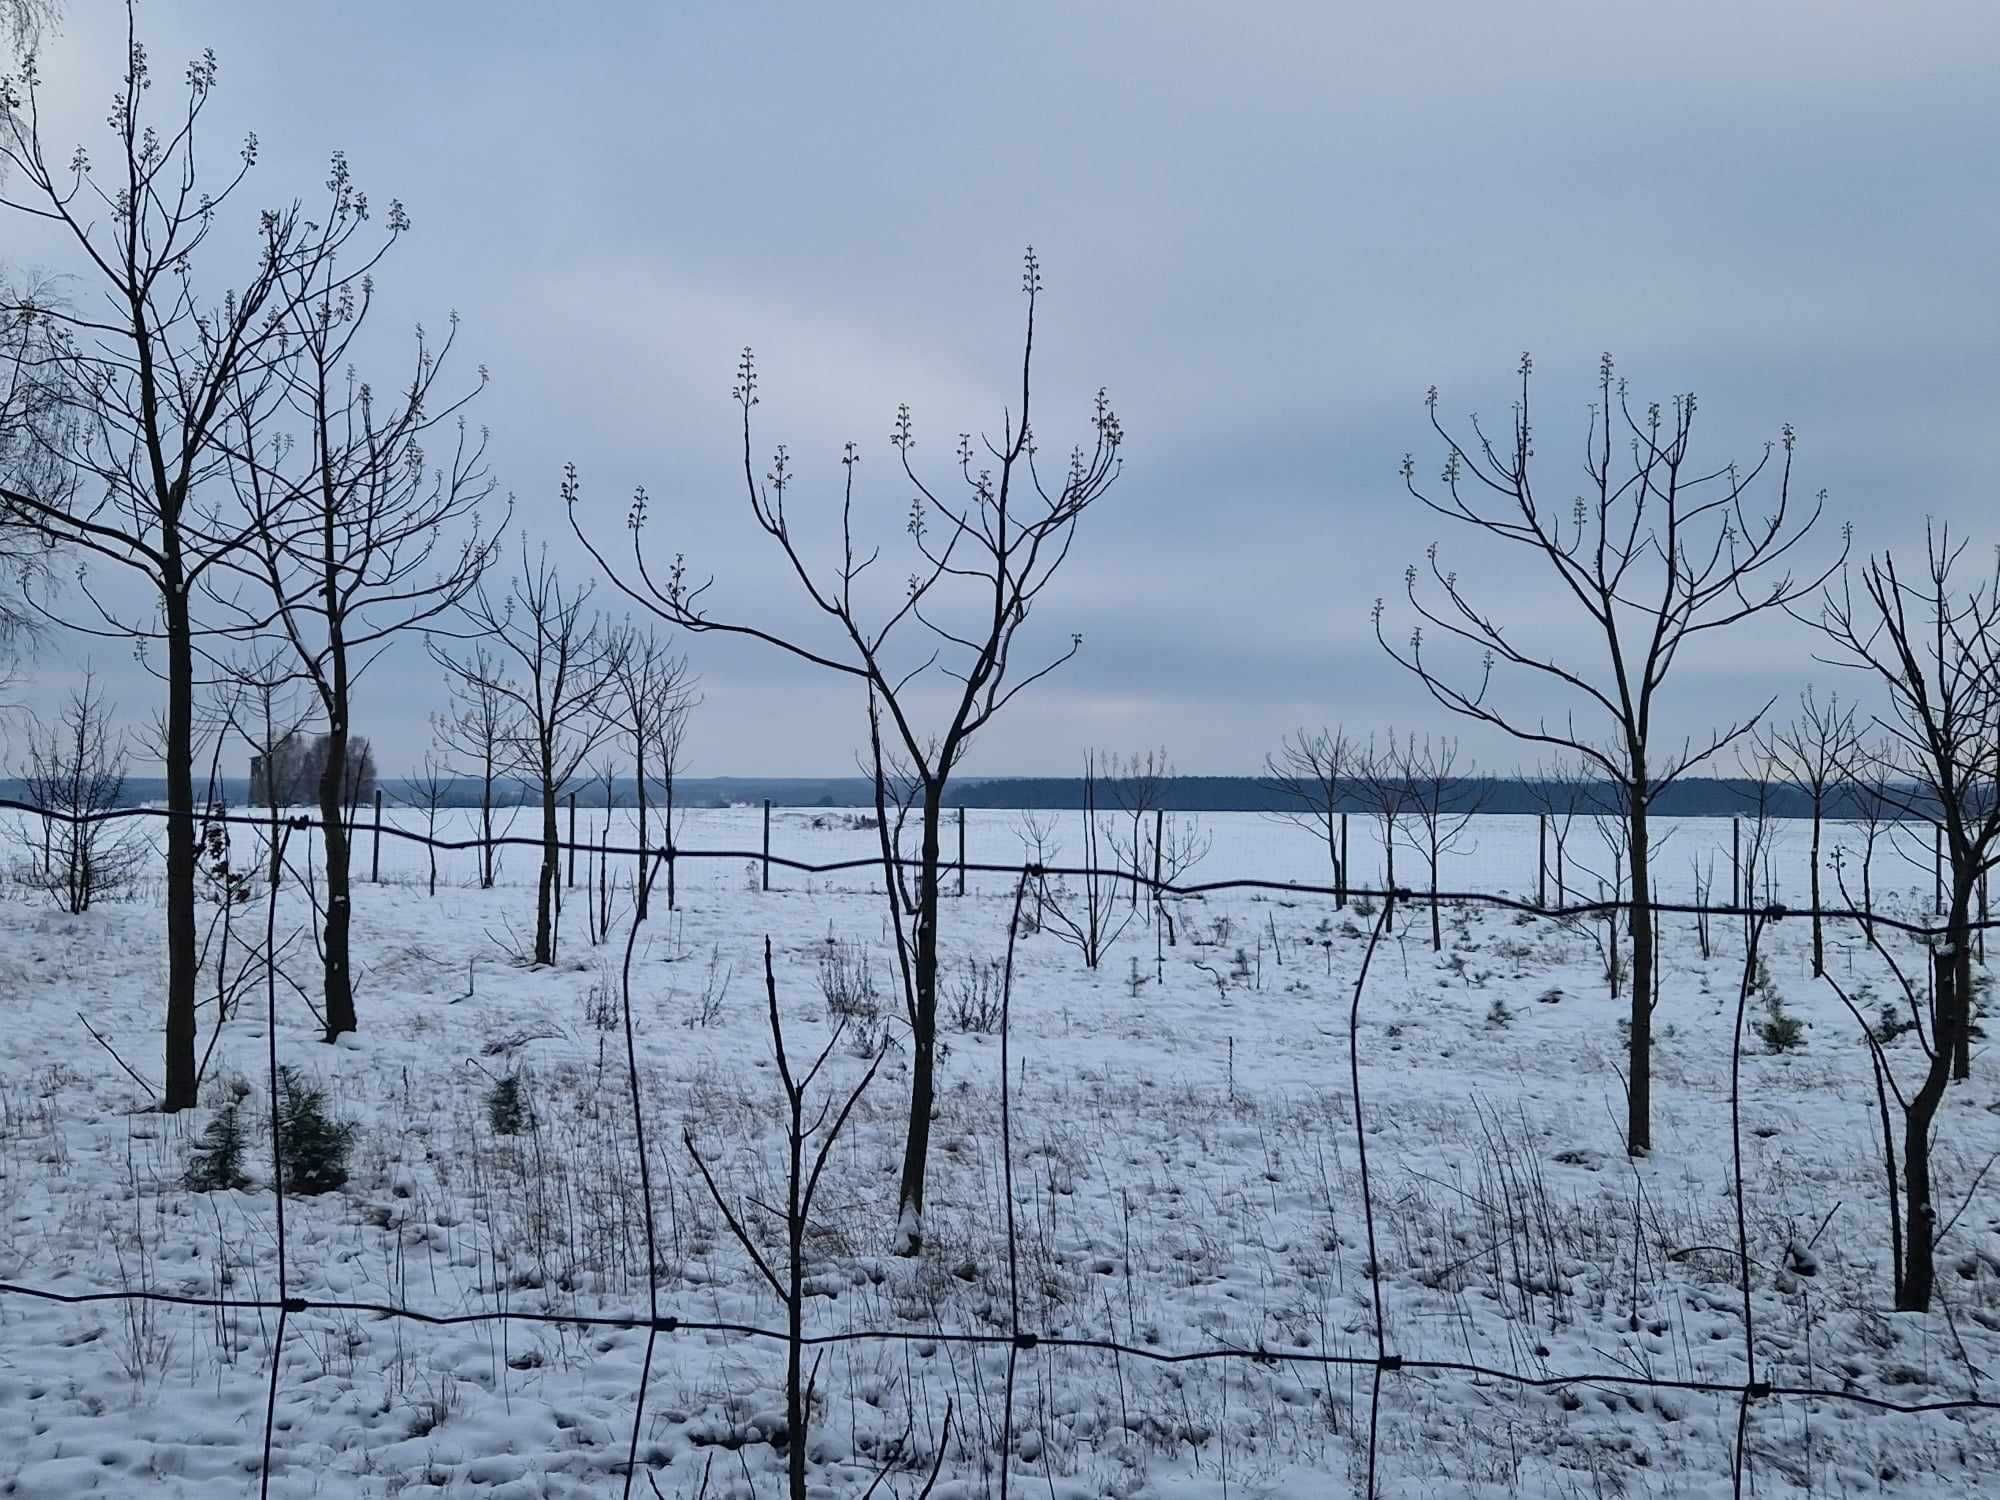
(1265, 229)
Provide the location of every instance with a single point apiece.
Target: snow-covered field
(1185, 1175)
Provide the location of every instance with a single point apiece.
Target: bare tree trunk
(1818, 928)
(1437, 929)
(1920, 1222)
(339, 847)
(1639, 1105)
(639, 882)
(923, 1036)
(486, 850)
(551, 876)
(333, 810)
(183, 956)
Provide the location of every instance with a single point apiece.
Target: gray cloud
(1266, 231)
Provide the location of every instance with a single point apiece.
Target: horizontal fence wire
(1124, 876)
(1384, 1362)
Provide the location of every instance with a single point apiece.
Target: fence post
(1937, 869)
(961, 850)
(1736, 862)
(767, 843)
(1340, 875)
(1541, 859)
(375, 858)
(570, 878)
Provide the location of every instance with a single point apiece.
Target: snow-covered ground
(1185, 1175)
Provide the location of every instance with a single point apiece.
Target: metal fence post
(375, 859)
(1340, 875)
(1541, 859)
(767, 843)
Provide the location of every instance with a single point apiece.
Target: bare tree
(428, 792)
(1914, 1227)
(997, 549)
(1179, 844)
(1386, 794)
(669, 761)
(148, 387)
(1877, 780)
(260, 702)
(23, 23)
(1138, 786)
(1441, 801)
(599, 903)
(1312, 772)
(31, 413)
(1562, 791)
(25, 549)
(1813, 753)
(355, 533)
(1933, 642)
(652, 692)
(1085, 915)
(1659, 552)
(561, 654)
(1039, 848)
(76, 772)
(478, 733)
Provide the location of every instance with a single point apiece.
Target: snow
(1184, 1175)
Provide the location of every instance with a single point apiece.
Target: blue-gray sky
(1265, 229)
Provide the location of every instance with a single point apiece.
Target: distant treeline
(1707, 797)
(689, 791)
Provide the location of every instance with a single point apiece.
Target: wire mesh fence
(405, 850)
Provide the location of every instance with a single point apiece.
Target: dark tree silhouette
(478, 735)
(1441, 802)
(76, 770)
(1313, 772)
(149, 384)
(1657, 553)
(1813, 753)
(540, 630)
(650, 696)
(356, 534)
(997, 549)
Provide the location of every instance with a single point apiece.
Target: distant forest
(1707, 797)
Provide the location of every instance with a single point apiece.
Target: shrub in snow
(1780, 1030)
(847, 980)
(977, 993)
(217, 1163)
(506, 1110)
(312, 1146)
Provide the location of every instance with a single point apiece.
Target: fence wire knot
(1026, 1341)
(1389, 1363)
(1757, 1390)
(666, 1324)
(293, 1305)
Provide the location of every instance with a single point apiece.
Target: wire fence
(1384, 1363)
